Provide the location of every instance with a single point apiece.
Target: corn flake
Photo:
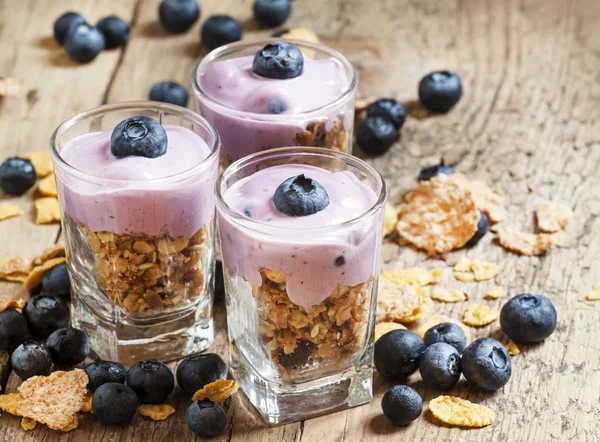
(47, 186)
(415, 276)
(461, 412)
(467, 270)
(10, 402)
(15, 269)
(9, 211)
(382, 328)
(37, 273)
(448, 295)
(217, 391)
(437, 274)
(156, 412)
(10, 87)
(8, 302)
(42, 163)
(396, 300)
(552, 217)
(525, 243)
(512, 348)
(478, 315)
(49, 252)
(496, 292)
(594, 295)
(28, 424)
(86, 406)
(390, 218)
(48, 210)
(422, 310)
(439, 319)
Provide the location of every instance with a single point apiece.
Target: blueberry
(275, 106)
(84, 43)
(219, 296)
(46, 314)
(114, 403)
(280, 60)
(31, 359)
(271, 13)
(430, 171)
(300, 196)
(194, 372)
(339, 261)
(64, 23)
(375, 135)
(220, 30)
(486, 364)
(528, 318)
(439, 91)
(401, 405)
(17, 175)
(483, 226)
(13, 329)
(115, 31)
(138, 136)
(298, 357)
(56, 281)
(151, 380)
(178, 16)
(68, 347)
(102, 372)
(440, 366)
(169, 92)
(448, 333)
(397, 353)
(388, 109)
(205, 418)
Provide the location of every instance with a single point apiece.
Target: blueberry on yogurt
(300, 196)
(138, 136)
(279, 60)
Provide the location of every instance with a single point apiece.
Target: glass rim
(309, 152)
(131, 105)
(233, 47)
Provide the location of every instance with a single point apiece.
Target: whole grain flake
(478, 315)
(523, 243)
(448, 295)
(10, 402)
(396, 300)
(217, 391)
(552, 217)
(461, 412)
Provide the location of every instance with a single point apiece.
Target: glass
(244, 133)
(141, 254)
(296, 362)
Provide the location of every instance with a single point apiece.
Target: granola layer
(317, 135)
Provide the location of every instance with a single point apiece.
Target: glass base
(284, 402)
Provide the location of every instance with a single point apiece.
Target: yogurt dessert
(268, 94)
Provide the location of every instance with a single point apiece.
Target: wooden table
(528, 124)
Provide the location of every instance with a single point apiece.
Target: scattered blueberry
(46, 314)
(440, 91)
(397, 353)
(280, 33)
(64, 23)
(17, 175)
(528, 318)
(275, 106)
(194, 372)
(13, 329)
(298, 357)
(482, 228)
(430, 171)
(486, 364)
(448, 333)
(114, 403)
(138, 136)
(115, 31)
(440, 366)
(279, 60)
(56, 281)
(219, 283)
(401, 405)
(388, 109)
(271, 13)
(169, 92)
(300, 196)
(220, 30)
(205, 418)
(31, 359)
(68, 347)
(339, 261)
(178, 16)
(84, 43)
(375, 135)
(102, 372)
(151, 380)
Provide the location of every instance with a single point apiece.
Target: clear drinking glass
(141, 254)
(296, 362)
(244, 133)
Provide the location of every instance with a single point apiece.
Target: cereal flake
(594, 294)
(15, 269)
(552, 217)
(461, 412)
(86, 406)
(437, 274)
(47, 186)
(10, 402)
(48, 210)
(490, 201)
(422, 310)
(53, 251)
(525, 243)
(467, 270)
(496, 292)
(414, 276)
(156, 412)
(396, 300)
(479, 315)
(7, 302)
(217, 391)
(42, 163)
(381, 328)
(512, 348)
(9, 211)
(448, 295)
(28, 424)
(390, 218)
(439, 319)
(10, 87)
(37, 273)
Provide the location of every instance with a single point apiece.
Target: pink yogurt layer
(132, 200)
(287, 244)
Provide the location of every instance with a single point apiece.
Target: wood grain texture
(528, 124)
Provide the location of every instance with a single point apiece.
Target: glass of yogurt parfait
(266, 94)
(300, 232)
(136, 189)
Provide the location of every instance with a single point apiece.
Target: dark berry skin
(279, 60)
(177, 16)
(483, 226)
(397, 354)
(84, 43)
(388, 109)
(528, 318)
(448, 333)
(401, 405)
(46, 314)
(114, 403)
(17, 175)
(430, 171)
(64, 23)
(57, 281)
(280, 33)
(13, 329)
(205, 418)
(31, 359)
(300, 196)
(486, 364)
(219, 296)
(151, 380)
(194, 372)
(440, 366)
(101, 372)
(138, 136)
(68, 347)
(220, 30)
(375, 135)
(440, 91)
(271, 13)
(115, 31)
(169, 92)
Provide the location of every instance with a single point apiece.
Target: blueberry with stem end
(448, 333)
(31, 359)
(486, 364)
(84, 43)
(401, 405)
(138, 136)
(68, 347)
(278, 60)
(205, 418)
(440, 366)
(375, 135)
(528, 318)
(17, 176)
(195, 371)
(177, 16)
(102, 372)
(151, 380)
(220, 30)
(271, 13)
(440, 91)
(300, 196)
(46, 314)
(114, 403)
(397, 354)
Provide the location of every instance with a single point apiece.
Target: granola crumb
(7, 301)
(438, 274)
(390, 218)
(86, 406)
(9, 403)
